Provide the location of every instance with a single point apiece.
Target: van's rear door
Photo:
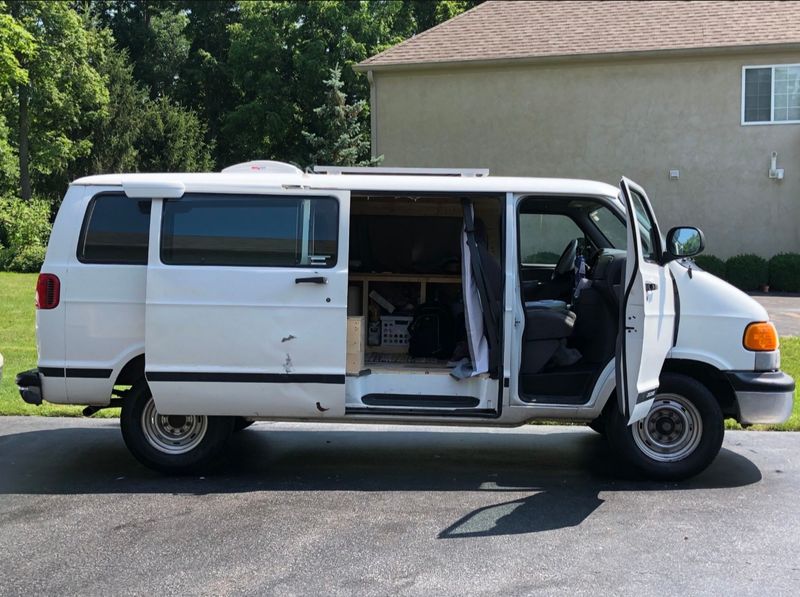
(247, 304)
(647, 321)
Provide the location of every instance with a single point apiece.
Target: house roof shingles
(499, 31)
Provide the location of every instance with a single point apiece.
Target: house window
(771, 94)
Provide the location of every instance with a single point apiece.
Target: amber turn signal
(761, 336)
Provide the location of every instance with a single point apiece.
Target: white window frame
(772, 96)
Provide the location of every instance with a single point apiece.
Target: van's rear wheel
(680, 436)
(175, 444)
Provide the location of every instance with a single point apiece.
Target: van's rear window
(115, 230)
(250, 230)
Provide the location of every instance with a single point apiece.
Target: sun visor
(153, 189)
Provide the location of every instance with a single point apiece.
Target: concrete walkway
(784, 310)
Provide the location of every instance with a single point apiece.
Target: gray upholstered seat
(545, 328)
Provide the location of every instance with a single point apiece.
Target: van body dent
(202, 302)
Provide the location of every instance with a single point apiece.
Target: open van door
(647, 309)
(246, 310)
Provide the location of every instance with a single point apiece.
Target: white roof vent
(263, 167)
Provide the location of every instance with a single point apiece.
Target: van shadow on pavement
(560, 474)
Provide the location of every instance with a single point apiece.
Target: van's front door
(647, 323)
(247, 304)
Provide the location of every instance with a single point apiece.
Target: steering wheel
(566, 263)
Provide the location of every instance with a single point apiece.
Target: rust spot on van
(321, 408)
(288, 367)
(287, 338)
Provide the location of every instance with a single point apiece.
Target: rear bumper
(30, 386)
(763, 397)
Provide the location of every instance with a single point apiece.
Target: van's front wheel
(680, 436)
(174, 444)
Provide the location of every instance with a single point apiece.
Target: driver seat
(557, 288)
(561, 284)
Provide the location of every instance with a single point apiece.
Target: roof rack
(380, 171)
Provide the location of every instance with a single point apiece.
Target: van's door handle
(650, 286)
(311, 280)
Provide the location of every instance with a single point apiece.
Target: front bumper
(763, 397)
(30, 386)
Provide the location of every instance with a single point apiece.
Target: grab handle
(311, 280)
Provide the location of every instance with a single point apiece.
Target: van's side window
(115, 230)
(647, 229)
(247, 230)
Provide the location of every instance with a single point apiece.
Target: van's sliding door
(247, 304)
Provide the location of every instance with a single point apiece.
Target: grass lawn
(790, 362)
(18, 345)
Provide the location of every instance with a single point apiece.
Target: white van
(202, 302)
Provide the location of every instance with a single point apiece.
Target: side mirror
(684, 241)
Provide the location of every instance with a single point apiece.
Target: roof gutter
(370, 68)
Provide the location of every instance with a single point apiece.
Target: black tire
(240, 424)
(680, 401)
(198, 442)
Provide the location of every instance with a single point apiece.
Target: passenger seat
(547, 324)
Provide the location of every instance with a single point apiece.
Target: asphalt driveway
(345, 509)
(784, 310)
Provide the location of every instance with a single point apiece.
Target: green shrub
(712, 265)
(24, 232)
(542, 257)
(784, 272)
(747, 272)
(28, 259)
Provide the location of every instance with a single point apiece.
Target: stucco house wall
(640, 117)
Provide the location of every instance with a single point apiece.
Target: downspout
(373, 115)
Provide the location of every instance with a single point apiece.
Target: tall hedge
(784, 272)
(747, 272)
(712, 265)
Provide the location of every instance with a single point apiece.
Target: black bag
(432, 332)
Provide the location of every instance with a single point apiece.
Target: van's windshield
(610, 226)
(614, 229)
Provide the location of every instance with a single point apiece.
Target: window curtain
(473, 314)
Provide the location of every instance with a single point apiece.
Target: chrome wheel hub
(671, 431)
(172, 434)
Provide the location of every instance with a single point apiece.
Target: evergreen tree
(280, 51)
(343, 137)
(115, 85)
(116, 135)
(172, 139)
(153, 32)
(204, 82)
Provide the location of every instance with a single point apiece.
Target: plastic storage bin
(394, 330)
